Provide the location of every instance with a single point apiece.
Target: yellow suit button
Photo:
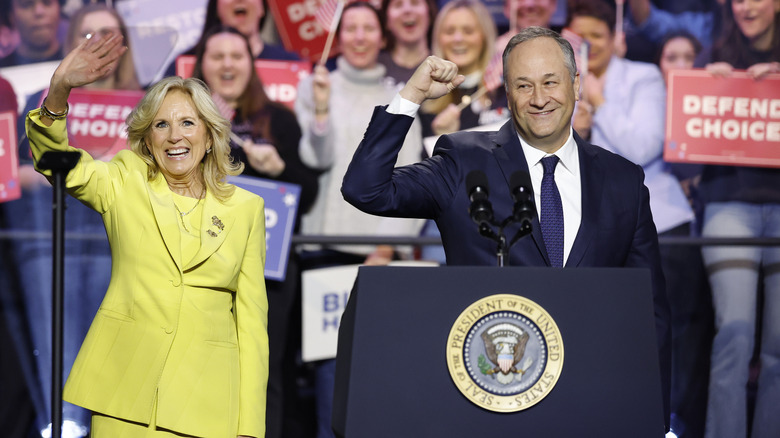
(168, 330)
(176, 281)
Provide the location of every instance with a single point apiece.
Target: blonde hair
(217, 164)
(488, 28)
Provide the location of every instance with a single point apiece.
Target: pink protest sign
(96, 120)
(9, 159)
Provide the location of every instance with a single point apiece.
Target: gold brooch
(215, 221)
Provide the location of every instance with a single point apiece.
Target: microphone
(480, 210)
(520, 188)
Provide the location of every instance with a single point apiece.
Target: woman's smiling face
(227, 66)
(178, 139)
(360, 37)
(461, 39)
(408, 20)
(755, 19)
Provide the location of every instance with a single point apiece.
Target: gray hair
(533, 32)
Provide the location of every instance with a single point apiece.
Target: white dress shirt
(567, 175)
(567, 178)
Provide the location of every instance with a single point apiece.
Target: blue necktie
(552, 213)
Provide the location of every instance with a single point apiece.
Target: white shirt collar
(567, 154)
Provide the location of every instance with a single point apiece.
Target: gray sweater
(330, 146)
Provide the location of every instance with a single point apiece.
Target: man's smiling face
(541, 93)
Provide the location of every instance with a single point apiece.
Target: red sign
(280, 78)
(298, 28)
(9, 159)
(96, 120)
(713, 120)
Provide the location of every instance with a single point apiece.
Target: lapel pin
(215, 221)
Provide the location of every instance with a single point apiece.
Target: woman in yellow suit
(179, 346)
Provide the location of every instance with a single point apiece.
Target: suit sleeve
(252, 324)
(644, 253)
(374, 185)
(95, 183)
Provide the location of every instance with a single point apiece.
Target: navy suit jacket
(616, 229)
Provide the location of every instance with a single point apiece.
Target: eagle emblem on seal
(505, 348)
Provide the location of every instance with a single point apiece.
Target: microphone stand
(481, 210)
(502, 249)
(60, 163)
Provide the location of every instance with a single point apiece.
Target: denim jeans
(734, 273)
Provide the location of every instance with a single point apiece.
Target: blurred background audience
(87, 261)
(408, 36)
(329, 139)
(37, 23)
(744, 202)
(463, 33)
(248, 17)
(726, 377)
(266, 141)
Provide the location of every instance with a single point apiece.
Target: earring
(208, 151)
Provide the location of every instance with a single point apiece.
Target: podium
(392, 374)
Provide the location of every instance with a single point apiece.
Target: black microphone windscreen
(519, 179)
(476, 178)
(520, 185)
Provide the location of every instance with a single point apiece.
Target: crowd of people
(724, 300)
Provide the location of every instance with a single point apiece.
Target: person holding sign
(266, 137)
(623, 109)
(269, 131)
(329, 140)
(464, 33)
(333, 109)
(744, 202)
(686, 279)
(179, 346)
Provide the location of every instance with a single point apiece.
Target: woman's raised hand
(91, 60)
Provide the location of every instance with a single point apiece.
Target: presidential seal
(505, 353)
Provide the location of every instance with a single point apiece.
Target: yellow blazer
(192, 331)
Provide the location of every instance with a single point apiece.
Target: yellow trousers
(104, 426)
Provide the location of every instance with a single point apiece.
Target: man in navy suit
(606, 217)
